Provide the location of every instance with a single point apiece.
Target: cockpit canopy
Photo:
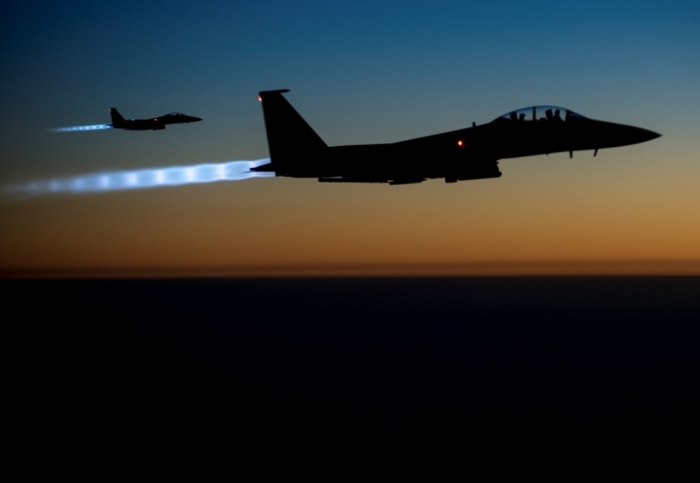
(540, 113)
(175, 114)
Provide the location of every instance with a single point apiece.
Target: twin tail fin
(289, 136)
(117, 119)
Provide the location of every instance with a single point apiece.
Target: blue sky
(359, 72)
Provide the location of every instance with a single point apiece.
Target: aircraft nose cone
(653, 135)
(635, 135)
(645, 135)
(195, 119)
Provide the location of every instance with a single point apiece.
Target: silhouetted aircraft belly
(466, 154)
(156, 123)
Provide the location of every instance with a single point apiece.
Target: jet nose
(634, 135)
(195, 119)
(644, 135)
(653, 135)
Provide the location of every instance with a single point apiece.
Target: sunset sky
(359, 73)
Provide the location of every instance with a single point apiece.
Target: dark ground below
(493, 354)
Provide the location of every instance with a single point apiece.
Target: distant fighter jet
(472, 153)
(119, 122)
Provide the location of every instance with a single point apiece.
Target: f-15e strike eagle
(118, 122)
(472, 153)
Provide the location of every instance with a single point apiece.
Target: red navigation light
(260, 98)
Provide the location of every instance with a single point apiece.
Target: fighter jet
(466, 154)
(118, 122)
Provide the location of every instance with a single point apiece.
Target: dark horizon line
(607, 268)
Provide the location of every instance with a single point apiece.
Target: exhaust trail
(94, 127)
(146, 178)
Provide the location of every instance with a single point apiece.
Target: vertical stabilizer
(289, 136)
(117, 119)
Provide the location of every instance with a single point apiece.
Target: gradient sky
(359, 72)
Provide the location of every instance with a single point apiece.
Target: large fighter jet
(118, 122)
(471, 153)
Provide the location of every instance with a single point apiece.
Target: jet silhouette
(118, 122)
(466, 154)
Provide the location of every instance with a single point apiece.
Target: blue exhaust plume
(94, 127)
(147, 178)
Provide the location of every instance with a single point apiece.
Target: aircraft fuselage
(465, 154)
(156, 123)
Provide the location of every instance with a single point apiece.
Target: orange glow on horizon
(639, 268)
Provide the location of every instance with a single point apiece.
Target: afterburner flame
(146, 178)
(94, 127)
